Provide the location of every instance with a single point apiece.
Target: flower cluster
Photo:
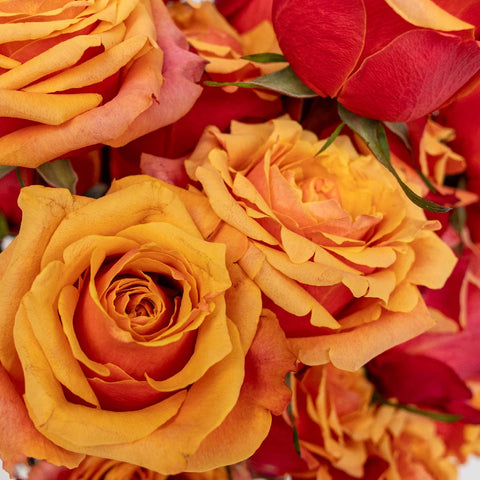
(239, 239)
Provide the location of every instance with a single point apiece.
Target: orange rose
(122, 332)
(76, 74)
(101, 468)
(332, 241)
(343, 435)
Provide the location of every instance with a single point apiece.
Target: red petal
(321, 39)
(412, 76)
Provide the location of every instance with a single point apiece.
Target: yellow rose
(331, 239)
(74, 74)
(122, 332)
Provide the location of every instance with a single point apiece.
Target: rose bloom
(331, 239)
(342, 435)
(122, 337)
(77, 74)
(385, 59)
(437, 370)
(430, 151)
(222, 47)
(94, 468)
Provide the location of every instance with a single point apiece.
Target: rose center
(147, 302)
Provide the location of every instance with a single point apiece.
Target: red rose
(383, 59)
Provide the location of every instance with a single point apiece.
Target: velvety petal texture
(125, 337)
(391, 60)
(69, 69)
(332, 241)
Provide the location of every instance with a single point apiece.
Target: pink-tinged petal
(321, 39)
(170, 170)
(181, 72)
(434, 67)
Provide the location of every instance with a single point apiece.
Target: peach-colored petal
(350, 350)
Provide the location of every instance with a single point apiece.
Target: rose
(331, 239)
(382, 59)
(95, 468)
(342, 434)
(429, 152)
(435, 370)
(89, 73)
(222, 47)
(125, 339)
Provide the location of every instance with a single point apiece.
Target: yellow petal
(57, 58)
(50, 109)
(426, 13)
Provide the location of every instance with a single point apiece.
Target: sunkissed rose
(342, 435)
(77, 74)
(125, 338)
(385, 59)
(334, 244)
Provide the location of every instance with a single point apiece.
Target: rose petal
(324, 54)
(451, 63)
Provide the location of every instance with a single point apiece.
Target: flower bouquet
(240, 239)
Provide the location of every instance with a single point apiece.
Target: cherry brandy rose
(392, 60)
(77, 74)
(333, 242)
(122, 337)
(343, 435)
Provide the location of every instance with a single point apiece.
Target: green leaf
(59, 173)
(438, 416)
(373, 134)
(284, 82)
(5, 170)
(265, 57)
(19, 177)
(296, 440)
(4, 231)
(331, 139)
(400, 129)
